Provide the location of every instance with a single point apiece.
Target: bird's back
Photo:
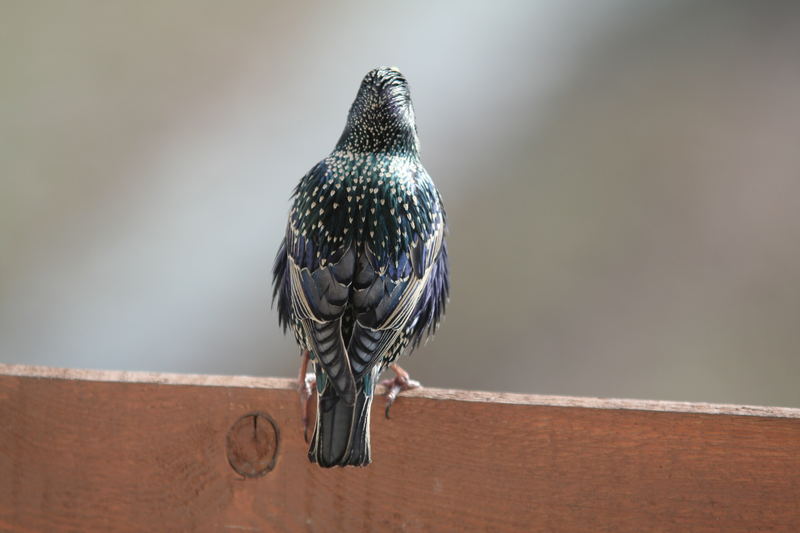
(380, 212)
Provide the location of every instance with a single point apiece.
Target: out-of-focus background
(622, 181)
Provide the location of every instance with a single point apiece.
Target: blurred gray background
(622, 181)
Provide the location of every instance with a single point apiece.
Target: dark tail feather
(359, 453)
(341, 435)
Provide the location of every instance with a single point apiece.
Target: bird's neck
(379, 134)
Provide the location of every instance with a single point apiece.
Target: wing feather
(381, 323)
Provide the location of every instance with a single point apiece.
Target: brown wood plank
(116, 451)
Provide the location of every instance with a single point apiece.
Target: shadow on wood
(85, 450)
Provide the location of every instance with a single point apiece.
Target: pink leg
(305, 385)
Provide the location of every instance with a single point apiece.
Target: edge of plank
(207, 380)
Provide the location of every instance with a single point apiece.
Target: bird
(361, 275)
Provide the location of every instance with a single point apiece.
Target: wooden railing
(123, 451)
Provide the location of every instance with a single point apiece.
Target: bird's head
(381, 118)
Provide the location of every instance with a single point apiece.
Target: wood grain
(115, 451)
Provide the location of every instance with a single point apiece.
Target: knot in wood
(252, 444)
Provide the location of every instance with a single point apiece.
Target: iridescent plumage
(362, 272)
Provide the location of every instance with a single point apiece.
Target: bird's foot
(401, 382)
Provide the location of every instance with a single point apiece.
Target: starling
(362, 272)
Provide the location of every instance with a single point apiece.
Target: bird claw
(400, 383)
(305, 389)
